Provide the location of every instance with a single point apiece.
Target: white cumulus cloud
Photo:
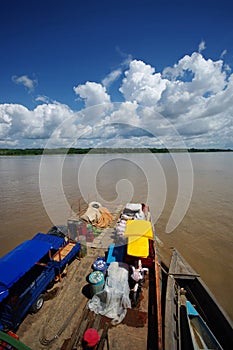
(24, 80)
(201, 46)
(42, 98)
(111, 77)
(92, 93)
(190, 101)
(142, 84)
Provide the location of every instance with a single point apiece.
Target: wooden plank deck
(63, 252)
(65, 318)
(131, 333)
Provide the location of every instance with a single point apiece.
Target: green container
(83, 242)
(96, 279)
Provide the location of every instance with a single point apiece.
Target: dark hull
(176, 333)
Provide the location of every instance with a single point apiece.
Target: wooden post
(79, 205)
(158, 299)
(59, 254)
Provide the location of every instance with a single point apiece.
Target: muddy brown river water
(190, 197)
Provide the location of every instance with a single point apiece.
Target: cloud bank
(192, 99)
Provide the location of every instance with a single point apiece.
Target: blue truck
(27, 272)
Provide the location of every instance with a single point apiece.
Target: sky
(125, 73)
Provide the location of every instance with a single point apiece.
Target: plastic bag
(114, 300)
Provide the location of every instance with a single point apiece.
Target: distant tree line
(209, 150)
(41, 151)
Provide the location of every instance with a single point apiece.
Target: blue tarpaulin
(20, 260)
(56, 242)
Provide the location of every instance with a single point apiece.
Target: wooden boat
(193, 318)
(201, 335)
(66, 316)
(141, 328)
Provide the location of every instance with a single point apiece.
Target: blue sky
(152, 65)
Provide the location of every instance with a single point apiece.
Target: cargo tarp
(138, 246)
(138, 233)
(139, 228)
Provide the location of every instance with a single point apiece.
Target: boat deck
(132, 332)
(64, 316)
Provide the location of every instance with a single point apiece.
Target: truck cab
(27, 271)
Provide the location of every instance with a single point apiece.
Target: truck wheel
(50, 285)
(38, 304)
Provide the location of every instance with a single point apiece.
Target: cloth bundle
(120, 228)
(97, 215)
(113, 301)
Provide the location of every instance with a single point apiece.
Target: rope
(47, 342)
(43, 339)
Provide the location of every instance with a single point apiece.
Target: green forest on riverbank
(41, 151)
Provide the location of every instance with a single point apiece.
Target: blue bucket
(96, 279)
(100, 265)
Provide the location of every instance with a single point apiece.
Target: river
(38, 192)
